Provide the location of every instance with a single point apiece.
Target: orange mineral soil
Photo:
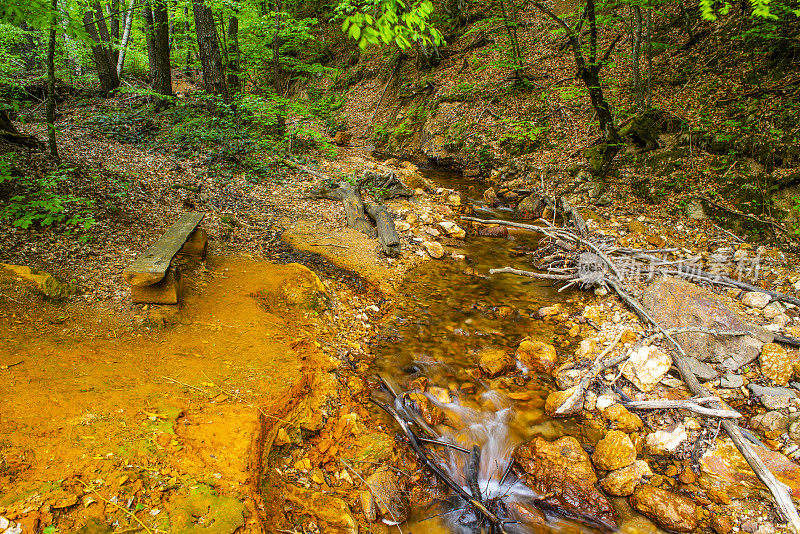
(156, 416)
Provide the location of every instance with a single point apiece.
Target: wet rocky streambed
(485, 361)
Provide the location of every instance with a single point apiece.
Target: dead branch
(693, 405)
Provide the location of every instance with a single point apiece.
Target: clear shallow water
(447, 312)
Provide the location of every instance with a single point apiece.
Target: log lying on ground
(387, 185)
(353, 206)
(387, 233)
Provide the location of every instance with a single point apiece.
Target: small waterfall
(501, 491)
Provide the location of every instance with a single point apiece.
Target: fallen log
(387, 233)
(350, 196)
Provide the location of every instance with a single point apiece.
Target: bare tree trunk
(162, 73)
(106, 71)
(31, 44)
(113, 23)
(126, 35)
(277, 78)
(187, 35)
(213, 70)
(51, 86)
(635, 53)
(149, 36)
(233, 53)
(649, 51)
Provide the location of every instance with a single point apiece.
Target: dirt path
(146, 413)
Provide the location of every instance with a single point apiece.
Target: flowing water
(449, 311)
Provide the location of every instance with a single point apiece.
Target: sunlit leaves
(388, 21)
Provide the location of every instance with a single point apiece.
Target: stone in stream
(614, 451)
(537, 356)
(623, 481)
(562, 470)
(670, 510)
(384, 498)
(755, 299)
(530, 207)
(773, 398)
(667, 441)
(432, 414)
(434, 249)
(646, 367)
(724, 468)
(620, 418)
(776, 363)
(557, 398)
(731, 380)
(494, 361)
(676, 303)
(701, 370)
(772, 423)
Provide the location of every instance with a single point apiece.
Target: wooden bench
(152, 277)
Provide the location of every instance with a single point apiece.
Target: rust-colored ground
(139, 408)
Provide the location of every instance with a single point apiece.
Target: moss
(203, 511)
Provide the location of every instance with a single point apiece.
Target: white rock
(452, 229)
(401, 226)
(755, 299)
(587, 348)
(604, 401)
(773, 309)
(666, 441)
(646, 367)
(781, 320)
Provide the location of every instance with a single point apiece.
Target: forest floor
(244, 407)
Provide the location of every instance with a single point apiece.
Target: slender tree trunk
(635, 53)
(106, 71)
(277, 78)
(188, 36)
(31, 44)
(213, 70)
(113, 23)
(233, 53)
(50, 110)
(126, 35)
(149, 36)
(649, 52)
(162, 73)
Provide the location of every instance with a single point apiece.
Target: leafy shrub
(41, 200)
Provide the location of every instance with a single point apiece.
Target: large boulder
(670, 510)
(562, 470)
(675, 303)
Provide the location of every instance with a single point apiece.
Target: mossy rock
(205, 512)
(95, 526)
(43, 282)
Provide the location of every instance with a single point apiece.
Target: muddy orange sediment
(197, 400)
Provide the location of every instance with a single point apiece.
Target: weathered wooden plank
(152, 264)
(196, 244)
(166, 291)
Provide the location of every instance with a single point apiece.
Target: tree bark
(649, 52)
(187, 36)
(149, 36)
(113, 23)
(126, 35)
(162, 71)
(51, 86)
(277, 78)
(106, 70)
(234, 83)
(213, 70)
(30, 46)
(635, 53)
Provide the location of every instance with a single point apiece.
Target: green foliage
(373, 22)
(463, 92)
(523, 136)
(43, 200)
